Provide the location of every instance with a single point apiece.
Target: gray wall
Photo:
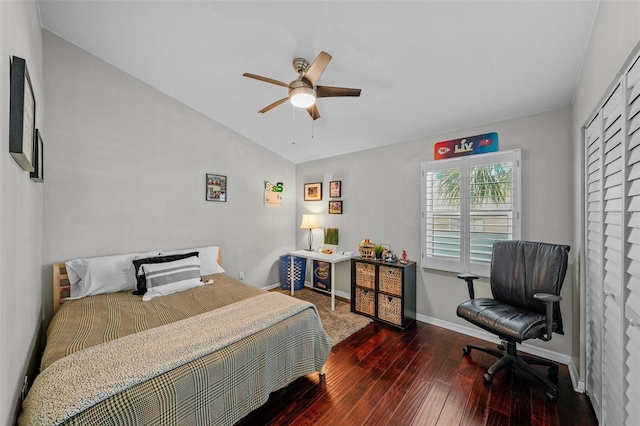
(20, 214)
(126, 172)
(616, 32)
(381, 194)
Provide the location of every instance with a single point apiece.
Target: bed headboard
(62, 286)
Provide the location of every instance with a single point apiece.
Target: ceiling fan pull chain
(312, 128)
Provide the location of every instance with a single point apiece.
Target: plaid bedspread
(220, 387)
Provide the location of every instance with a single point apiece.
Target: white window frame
(465, 264)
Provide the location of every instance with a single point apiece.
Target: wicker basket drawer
(365, 275)
(390, 309)
(390, 280)
(365, 301)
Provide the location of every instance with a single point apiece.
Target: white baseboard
(578, 384)
(271, 287)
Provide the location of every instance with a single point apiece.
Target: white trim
(271, 286)
(578, 385)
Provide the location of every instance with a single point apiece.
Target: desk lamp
(309, 221)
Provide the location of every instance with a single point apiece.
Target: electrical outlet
(241, 275)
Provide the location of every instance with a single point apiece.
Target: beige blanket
(74, 383)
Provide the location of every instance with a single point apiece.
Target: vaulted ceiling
(424, 67)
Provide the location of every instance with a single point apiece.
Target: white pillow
(208, 258)
(103, 274)
(171, 277)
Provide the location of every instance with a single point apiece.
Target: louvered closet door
(632, 303)
(594, 290)
(612, 336)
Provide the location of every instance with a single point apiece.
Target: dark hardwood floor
(380, 376)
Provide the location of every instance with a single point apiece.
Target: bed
(207, 355)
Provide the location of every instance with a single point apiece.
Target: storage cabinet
(384, 291)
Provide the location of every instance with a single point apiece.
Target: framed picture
(216, 187)
(22, 115)
(37, 174)
(335, 207)
(313, 191)
(335, 189)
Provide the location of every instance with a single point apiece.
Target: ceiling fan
(303, 91)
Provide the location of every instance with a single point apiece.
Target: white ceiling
(424, 67)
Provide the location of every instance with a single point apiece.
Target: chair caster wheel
(500, 347)
(488, 378)
(466, 350)
(553, 396)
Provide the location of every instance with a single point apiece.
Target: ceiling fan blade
(313, 112)
(317, 68)
(328, 91)
(265, 79)
(273, 105)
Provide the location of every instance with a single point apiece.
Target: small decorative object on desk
(366, 249)
(388, 256)
(404, 256)
(378, 249)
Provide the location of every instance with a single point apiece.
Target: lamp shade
(309, 221)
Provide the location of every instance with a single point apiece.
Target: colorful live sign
(466, 146)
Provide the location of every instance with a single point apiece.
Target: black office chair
(526, 278)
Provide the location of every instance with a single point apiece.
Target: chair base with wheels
(526, 279)
(509, 357)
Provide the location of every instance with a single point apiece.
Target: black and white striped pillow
(171, 277)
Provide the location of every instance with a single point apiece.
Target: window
(468, 203)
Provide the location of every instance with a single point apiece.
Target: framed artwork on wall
(22, 115)
(313, 191)
(216, 187)
(335, 207)
(37, 174)
(335, 189)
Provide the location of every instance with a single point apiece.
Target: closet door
(612, 254)
(612, 336)
(593, 289)
(632, 278)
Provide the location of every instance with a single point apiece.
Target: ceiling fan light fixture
(302, 97)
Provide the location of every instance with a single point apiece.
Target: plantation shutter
(612, 241)
(612, 383)
(594, 292)
(495, 219)
(468, 203)
(632, 304)
(442, 188)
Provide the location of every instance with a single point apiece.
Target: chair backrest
(520, 269)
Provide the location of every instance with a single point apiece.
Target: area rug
(338, 324)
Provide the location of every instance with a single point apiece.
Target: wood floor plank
(411, 403)
(381, 376)
(431, 407)
(456, 402)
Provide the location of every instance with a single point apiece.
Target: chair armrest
(469, 280)
(548, 300)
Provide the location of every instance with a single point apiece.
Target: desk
(330, 258)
